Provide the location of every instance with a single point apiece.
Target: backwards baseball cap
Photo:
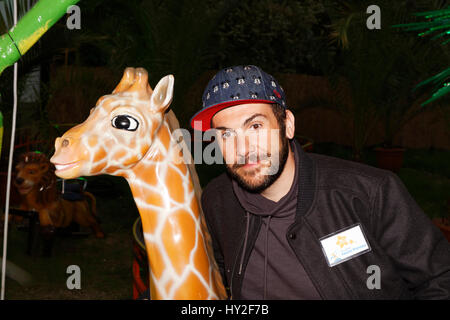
(234, 86)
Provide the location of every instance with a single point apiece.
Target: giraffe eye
(125, 122)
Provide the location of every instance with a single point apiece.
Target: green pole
(1, 132)
(30, 29)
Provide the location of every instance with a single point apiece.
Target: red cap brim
(202, 120)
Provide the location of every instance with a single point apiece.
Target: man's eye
(226, 134)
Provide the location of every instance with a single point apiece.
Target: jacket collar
(306, 183)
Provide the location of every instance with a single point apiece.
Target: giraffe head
(119, 131)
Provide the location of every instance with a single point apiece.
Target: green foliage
(277, 35)
(432, 22)
(185, 38)
(382, 68)
(165, 37)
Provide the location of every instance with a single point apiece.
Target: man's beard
(266, 180)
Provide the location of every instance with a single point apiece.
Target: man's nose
(242, 145)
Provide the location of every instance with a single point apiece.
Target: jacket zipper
(234, 265)
(302, 264)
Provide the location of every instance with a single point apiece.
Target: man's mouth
(252, 164)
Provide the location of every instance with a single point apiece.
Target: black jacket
(412, 254)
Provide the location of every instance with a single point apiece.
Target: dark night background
(350, 88)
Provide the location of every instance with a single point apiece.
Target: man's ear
(290, 124)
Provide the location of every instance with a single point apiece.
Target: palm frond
(435, 21)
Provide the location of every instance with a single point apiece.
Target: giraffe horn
(126, 81)
(140, 84)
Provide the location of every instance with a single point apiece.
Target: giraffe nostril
(65, 143)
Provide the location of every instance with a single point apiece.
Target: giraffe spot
(201, 260)
(155, 199)
(178, 239)
(92, 141)
(119, 154)
(182, 166)
(149, 177)
(192, 289)
(133, 144)
(112, 169)
(144, 149)
(164, 138)
(130, 160)
(176, 185)
(156, 263)
(100, 155)
(169, 285)
(99, 167)
(149, 220)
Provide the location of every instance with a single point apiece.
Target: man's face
(253, 144)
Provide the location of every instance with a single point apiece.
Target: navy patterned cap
(233, 86)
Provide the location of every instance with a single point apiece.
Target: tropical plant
(286, 36)
(402, 99)
(435, 23)
(164, 37)
(381, 67)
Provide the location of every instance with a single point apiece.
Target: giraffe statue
(127, 134)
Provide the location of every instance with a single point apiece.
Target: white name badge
(344, 244)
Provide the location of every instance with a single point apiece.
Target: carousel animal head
(36, 182)
(119, 130)
(34, 173)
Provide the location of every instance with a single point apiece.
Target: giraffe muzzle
(64, 157)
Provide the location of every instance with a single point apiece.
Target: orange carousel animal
(128, 134)
(36, 183)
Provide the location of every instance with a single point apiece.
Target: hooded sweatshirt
(273, 271)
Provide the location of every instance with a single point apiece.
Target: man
(291, 225)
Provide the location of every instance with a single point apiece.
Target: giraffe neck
(177, 243)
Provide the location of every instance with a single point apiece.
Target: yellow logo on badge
(344, 245)
(342, 241)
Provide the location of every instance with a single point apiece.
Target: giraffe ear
(163, 94)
